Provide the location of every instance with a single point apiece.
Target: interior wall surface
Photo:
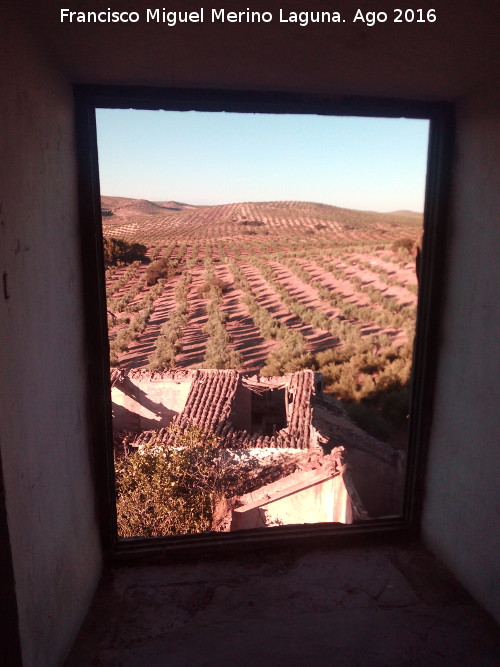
(462, 501)
(434, 60)
(43, 421)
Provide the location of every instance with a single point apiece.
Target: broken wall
(307, 496)
(144, 402)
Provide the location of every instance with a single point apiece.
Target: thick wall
(462, 501)
(43, 420)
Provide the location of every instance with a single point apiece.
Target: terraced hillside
(269, 288)
(155, 221)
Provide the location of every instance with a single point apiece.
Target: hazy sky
(220, 158)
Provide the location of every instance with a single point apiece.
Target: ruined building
(269, 413)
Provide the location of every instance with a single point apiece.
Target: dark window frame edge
(429, 313)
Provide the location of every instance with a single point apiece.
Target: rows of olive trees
(218, 350)
(292, 351)
(338, 327)
(383, 311)
(132, 331)
(168, 343)
(128, 275)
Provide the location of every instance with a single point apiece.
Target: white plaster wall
(43, 420)
(302, 497)
(143, 404)
(462, 501)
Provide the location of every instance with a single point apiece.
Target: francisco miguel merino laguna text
(172, 18)
(302, 18)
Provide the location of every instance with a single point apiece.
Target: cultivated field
(270, 288)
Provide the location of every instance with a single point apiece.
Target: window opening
(269, 413)
(206, 288)
(260, 346)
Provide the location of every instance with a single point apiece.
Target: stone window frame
(431, 297)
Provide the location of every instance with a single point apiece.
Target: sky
(204, 158)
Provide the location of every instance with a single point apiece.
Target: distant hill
(140, 219)
(408, 214)
(125, 208)
(174, 205)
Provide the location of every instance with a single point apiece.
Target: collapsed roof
(248, 412)
(212, 404)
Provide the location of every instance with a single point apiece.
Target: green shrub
(169, 489)
(119, 251)
(160, 268)
(406, 243)
(172, 489)
(212, 282)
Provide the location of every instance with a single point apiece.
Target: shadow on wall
(128, 420)
(379, 483)
(135, 409)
